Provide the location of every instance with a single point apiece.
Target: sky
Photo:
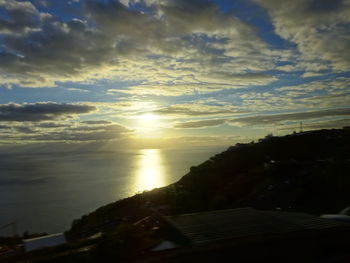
(161, 73)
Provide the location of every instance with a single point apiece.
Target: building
(44, 241)
(250, 235)
(222, 225)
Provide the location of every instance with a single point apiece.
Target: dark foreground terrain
(306, 172)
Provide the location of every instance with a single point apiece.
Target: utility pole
(13, 225)
(301, 126)
(14, 228)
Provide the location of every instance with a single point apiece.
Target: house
(224, 225)
(44, 241)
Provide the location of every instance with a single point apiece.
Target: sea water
(45, 192)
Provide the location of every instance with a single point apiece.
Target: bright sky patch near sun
(194, 71)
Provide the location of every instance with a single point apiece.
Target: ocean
(45, 192)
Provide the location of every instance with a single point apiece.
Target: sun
(148, 117)
(148, 125)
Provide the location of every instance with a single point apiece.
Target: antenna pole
(14, 228)
(13, 225)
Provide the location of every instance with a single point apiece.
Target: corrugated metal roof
(44, 237)
(213, 226)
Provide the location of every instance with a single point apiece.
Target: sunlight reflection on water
(150, 171)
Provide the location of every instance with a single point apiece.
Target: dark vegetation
(304, 172)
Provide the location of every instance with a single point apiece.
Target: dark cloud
(41, 111)
(277, 119)
(97, 122)
(300, 116)
(319, 28)
(331, 124)
(71, 132)
(325, 5)
(51, 125)
(23, 129)
(111, 38)
(168, 35)
(112, 127)
(5, 127)
(41, 56)
(328, 124)
(20, 18)
(84, 134)
(199, 124)
(196, 110)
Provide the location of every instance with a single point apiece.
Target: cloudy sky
(171, 72)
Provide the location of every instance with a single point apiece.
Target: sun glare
(150, 170)
(148, 117)
(148, 125)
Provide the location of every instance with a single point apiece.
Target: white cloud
(319, 28)
(174, 43)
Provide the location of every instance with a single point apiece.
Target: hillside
(303, 172)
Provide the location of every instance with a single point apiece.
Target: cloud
(87, 133)
(330, 124)
(331, 86)
(311, 119)
(197, 109)
(23, 129)
(5, 127)
(247, 79)
(48, 125)
(101, 127)
(204, 83)
(332, 92)
(169, 43)
(41, 111)
(319, 28)
(288, 68)
(77, 90)
(68, 131)
(279, 118)
(199, 124)
(98, 122)
(22, 17)
(171, 89)
(190, 141)
(311, 74)
(329, 93)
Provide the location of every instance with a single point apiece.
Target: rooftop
(214, 226)
(43, 237)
